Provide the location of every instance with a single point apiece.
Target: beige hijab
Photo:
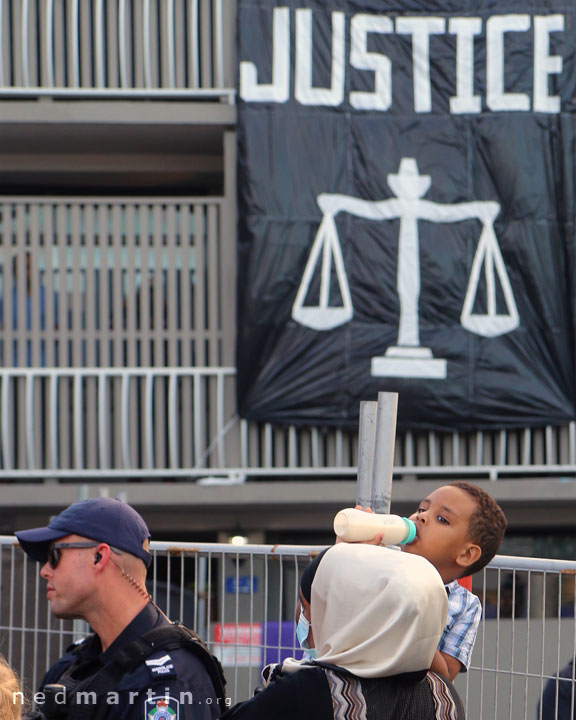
(377, 611)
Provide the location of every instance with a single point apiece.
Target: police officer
(137, 664)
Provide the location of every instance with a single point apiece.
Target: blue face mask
(302, 632)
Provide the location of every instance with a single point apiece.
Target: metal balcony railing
(117, 48)
(172, 422)
(137, 282)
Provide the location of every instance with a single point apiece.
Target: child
(459, 529)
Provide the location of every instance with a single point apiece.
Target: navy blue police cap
(106, 520)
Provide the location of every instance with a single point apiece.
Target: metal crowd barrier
(241, 599)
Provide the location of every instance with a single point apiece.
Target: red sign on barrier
(239, 644)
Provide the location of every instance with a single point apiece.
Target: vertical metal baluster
(30, 454)
(218, 76)
(25, 41)
(103, 421)
(193, 45)
(147, 45)
(49, 59)
(74, 43)
(78, 423)
(170, 53)
(149, 414)
(2, 74)
(99, 43)
(173, 424)
(7, 376)
(125, 415)
(122, 43)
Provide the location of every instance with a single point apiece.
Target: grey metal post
(366, 441)
(201, 618)
(384, 451)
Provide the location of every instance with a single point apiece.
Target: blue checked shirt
(464, 611)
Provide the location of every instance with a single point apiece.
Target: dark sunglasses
(54, 551)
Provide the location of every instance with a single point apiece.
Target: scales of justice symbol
(407, 358)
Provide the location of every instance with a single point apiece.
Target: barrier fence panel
(526, 636)
(242, 599)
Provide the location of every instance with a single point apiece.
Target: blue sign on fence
(241, 584)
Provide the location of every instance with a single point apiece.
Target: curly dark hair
(486, 526)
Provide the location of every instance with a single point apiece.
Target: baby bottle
(353, 525)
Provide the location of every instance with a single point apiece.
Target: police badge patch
(161, 666)
(161, 708)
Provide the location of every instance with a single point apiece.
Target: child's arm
(459, 634)
(446, 665)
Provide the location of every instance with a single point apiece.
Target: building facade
(117, 300)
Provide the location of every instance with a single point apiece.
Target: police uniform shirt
(168, 685)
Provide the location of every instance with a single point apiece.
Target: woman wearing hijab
(376, 618)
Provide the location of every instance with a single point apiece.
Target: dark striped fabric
(401, 700)
(347, 697)
(444, 703)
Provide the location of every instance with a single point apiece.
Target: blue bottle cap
(411, 531)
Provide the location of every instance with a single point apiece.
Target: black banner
(406, 201)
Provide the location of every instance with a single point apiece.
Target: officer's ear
(101, 555)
